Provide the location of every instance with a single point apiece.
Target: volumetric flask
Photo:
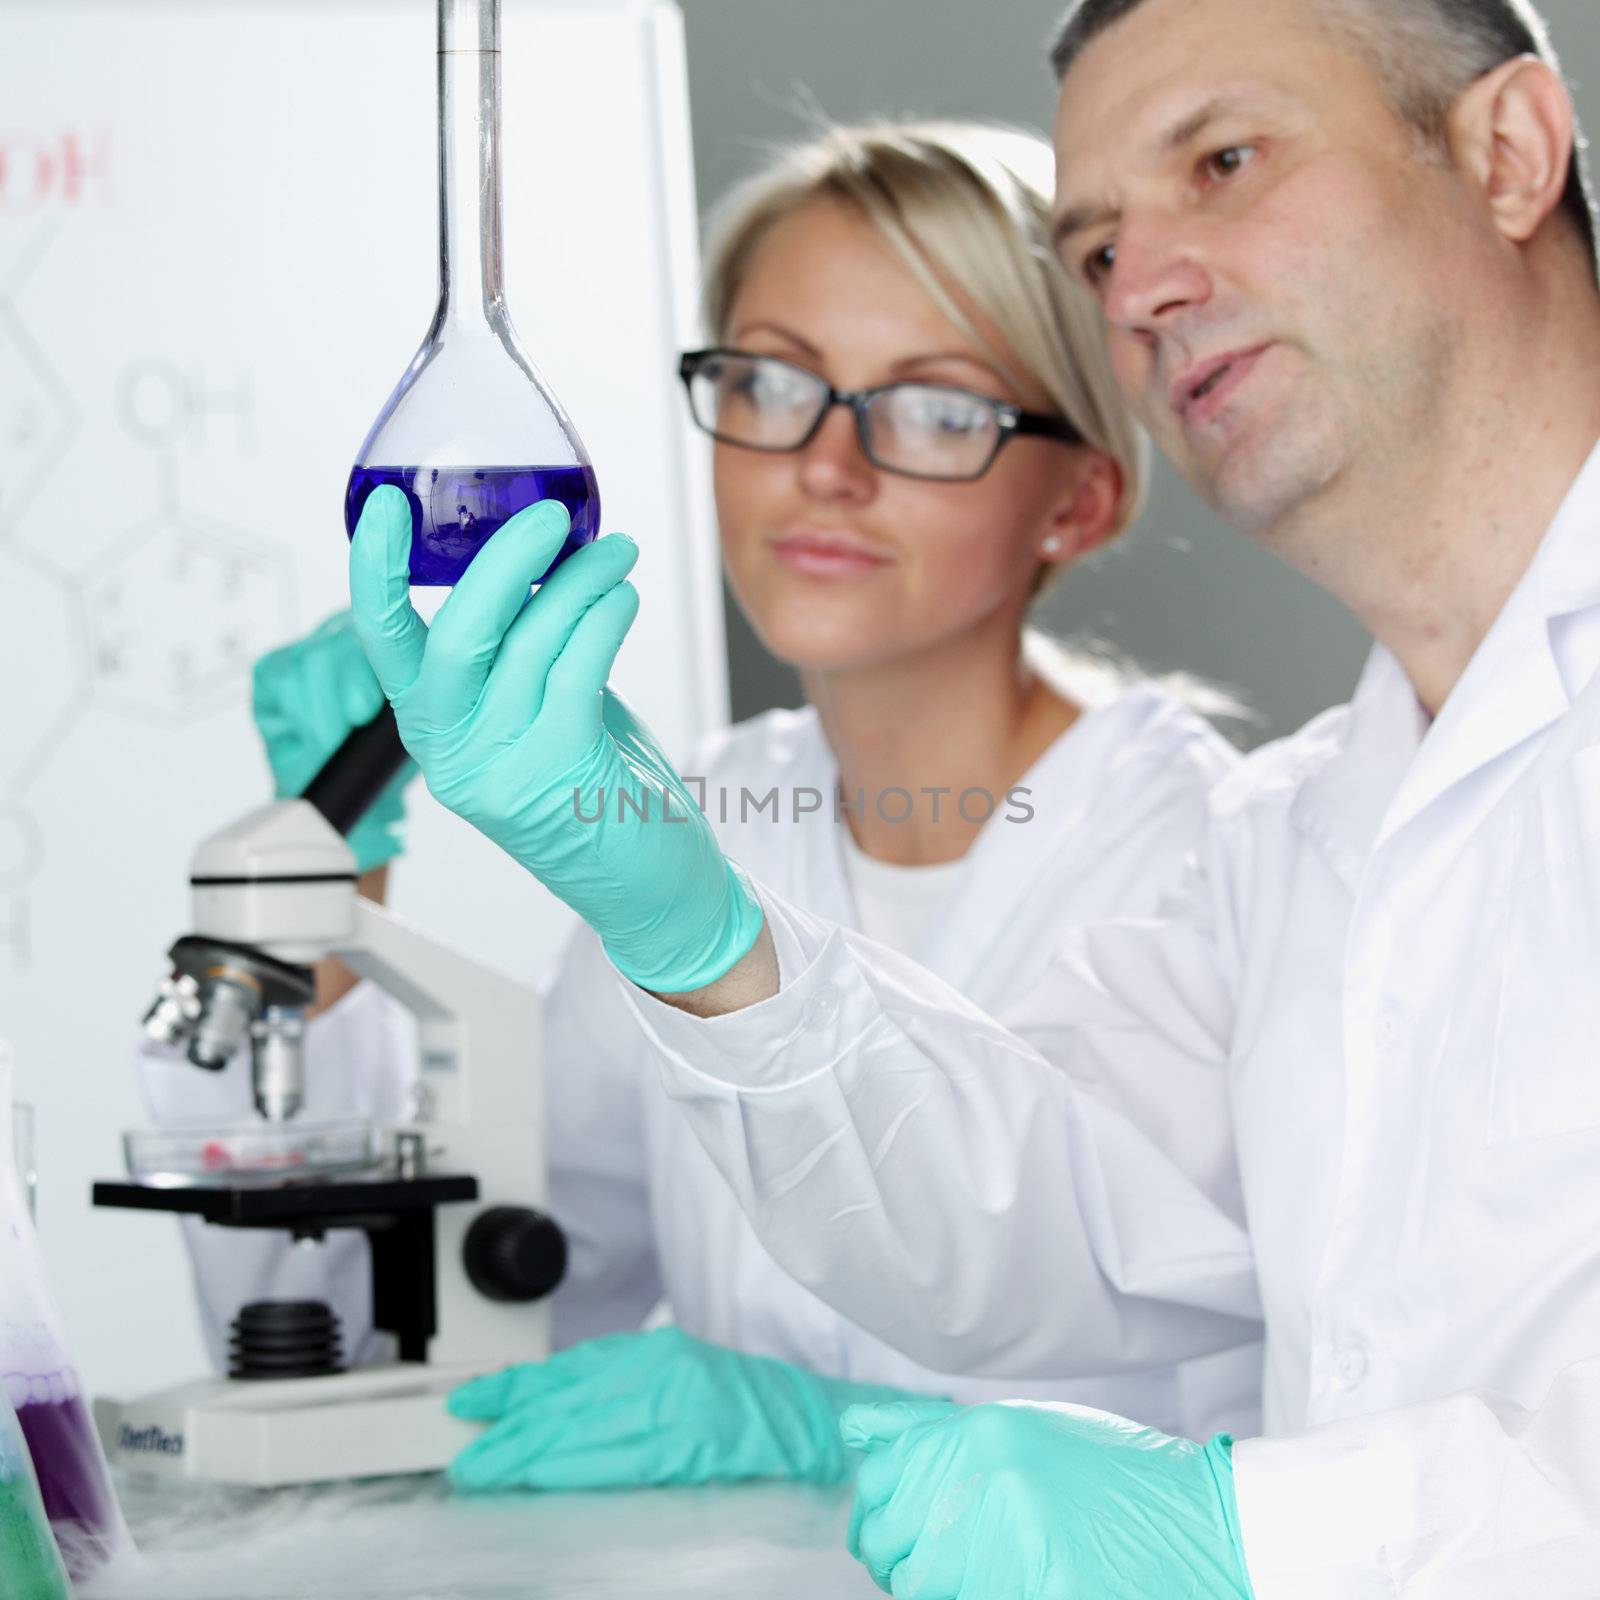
(30, 1564)
(472, 434)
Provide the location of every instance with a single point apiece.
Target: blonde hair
(966, 205)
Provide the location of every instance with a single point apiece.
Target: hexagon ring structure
(177, 620)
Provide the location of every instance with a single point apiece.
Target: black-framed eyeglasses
(919, 430)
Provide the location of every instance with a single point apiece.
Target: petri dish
(260, 1152)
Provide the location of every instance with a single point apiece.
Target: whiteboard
(218, 252)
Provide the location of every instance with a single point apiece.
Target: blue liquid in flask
(454, 510)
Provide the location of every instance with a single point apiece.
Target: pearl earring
(1052, 544)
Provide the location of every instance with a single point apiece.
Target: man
(1348, 277)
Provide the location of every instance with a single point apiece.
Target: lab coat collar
(1378, 765)
(1354, 761)
(1514, 685)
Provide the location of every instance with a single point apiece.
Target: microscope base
(370, 1423)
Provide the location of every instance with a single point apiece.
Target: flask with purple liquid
(471, 433)
(45, 1398)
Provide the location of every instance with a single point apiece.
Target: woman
(917, 431)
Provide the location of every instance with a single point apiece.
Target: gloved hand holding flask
(502, 703)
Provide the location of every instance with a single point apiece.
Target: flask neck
(470, 287)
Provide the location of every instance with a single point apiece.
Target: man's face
(1279, 264)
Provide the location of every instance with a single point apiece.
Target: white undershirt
(895, 905)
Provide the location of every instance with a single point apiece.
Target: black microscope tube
(357, 772)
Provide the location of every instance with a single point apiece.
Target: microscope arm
(479, 1029)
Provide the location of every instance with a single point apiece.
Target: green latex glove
(654, 1408)
(307, 697)
(1041, 1503)
(503, 703)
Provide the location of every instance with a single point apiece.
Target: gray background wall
(1181, 590)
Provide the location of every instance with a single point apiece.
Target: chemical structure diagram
(166, 621)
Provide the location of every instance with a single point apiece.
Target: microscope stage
(284, 1205)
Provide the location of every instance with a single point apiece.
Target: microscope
(451, 1203)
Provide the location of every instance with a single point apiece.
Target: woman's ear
(1088, 512)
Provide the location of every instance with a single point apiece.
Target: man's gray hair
(1426, 52)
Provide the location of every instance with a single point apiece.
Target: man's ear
(1512, 132)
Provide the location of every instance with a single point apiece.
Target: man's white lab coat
(1117, 805)
(1349, 1078)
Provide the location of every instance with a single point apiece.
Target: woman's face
(838, 564)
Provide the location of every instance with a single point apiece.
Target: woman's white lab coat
(1111, 813)
(1349, 1076)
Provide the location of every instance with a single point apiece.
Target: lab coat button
(1389, 1026)
(822, 1007)
(1350, 1366)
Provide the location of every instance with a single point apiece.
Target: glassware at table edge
(31, 1567)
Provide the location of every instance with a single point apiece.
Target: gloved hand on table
(307, 697)
(631, 1409)
(504, 705)
(1041, 1503)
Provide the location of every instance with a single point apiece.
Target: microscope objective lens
(454, 510)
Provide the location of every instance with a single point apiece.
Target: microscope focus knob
(514, 1253)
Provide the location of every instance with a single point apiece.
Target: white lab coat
(1118, 804)
(1349, 1077)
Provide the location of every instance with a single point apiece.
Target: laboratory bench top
(411, 1539)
